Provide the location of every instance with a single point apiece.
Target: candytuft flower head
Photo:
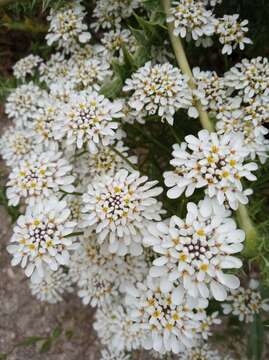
(250, 77)
(232, 33)
(210, 89)
(67, 26)
(114, 40)
(26, 66)
(246, 302)
(56, 68)
(168, 319)
(247, 120)
(22, 103)
(15, 144)
(52, 287)
(114, 355)
(191, 19)
(116, 329)
(109, 13)
(39, 175)
(216, 163)
(196, 251)
(100, 276)
(43, 121)
(120, 207)
(88, 119)
(159, 90)
(201, 351)
(107, 161)
(41, 238)
(90, 73)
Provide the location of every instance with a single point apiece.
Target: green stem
(244, 221)
(74, 234)
(185, 67)
(71, 193)
(173, 132)
(133, 166)
(251, 243)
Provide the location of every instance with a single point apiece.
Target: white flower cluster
(245, 303)
(193, 20)
(114, 40)
(39, 175)
(239, 101)
(52, 287)
(101, 277)
(91, 222)
(114, 355)
(121, 207)
(26, 66)
(250, 77)
(216, 163)
(169, 320)
(116, 329)
(87, 119)
(110, 13)
(159, 90)
(203, 351)
(16, 144)
(42, 239)
(195, 252)
(22, 104)
(231, 33)
(67, 27)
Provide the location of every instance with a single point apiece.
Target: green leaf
(256, 339)
(120, 69)
(139, 35)
(129, 61)
(112, 89)
(3, 356)
(141, 56)
(151, 5)
(56, 332)
(46, 346)
(31, 340)
(13, 211)
(153, 31)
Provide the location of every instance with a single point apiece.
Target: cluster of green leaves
(147, 33)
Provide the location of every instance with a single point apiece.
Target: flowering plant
(156, 232)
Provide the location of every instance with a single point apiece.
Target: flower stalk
(251, 243)
(185, 67)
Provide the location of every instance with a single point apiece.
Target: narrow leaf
(31, 340)
(56, 332)
(46, 346)
(256, 339)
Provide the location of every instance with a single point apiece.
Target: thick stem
(251, 243)
(243, 217)
(185, 67)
